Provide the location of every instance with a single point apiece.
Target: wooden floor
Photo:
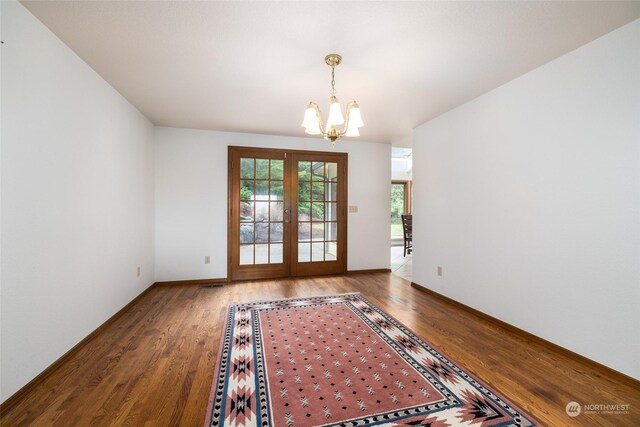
(154, 365)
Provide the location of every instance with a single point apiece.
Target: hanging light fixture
(312, 122)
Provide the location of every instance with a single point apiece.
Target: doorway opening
(401, 206)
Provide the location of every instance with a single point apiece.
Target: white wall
(191, 199)
(77, 199)
(529, 197)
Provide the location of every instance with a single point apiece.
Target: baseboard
(313, 276)
(371, 270)
(619, 376)
(222, 281)
(27, 388)
(218, 282)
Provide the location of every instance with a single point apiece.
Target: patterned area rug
(341, 361)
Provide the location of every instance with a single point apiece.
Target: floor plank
(154, 365)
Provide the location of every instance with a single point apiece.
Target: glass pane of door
(317, 211)
(261, 211)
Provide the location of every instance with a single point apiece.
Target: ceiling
(253, 66)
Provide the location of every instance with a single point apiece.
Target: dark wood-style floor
(154, 365)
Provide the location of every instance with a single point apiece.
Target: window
(400, 205)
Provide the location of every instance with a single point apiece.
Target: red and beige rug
(341, 361)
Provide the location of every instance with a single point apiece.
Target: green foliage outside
(311, 186)
(246, 193)
(397, 209)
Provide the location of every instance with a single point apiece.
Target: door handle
(286, 211)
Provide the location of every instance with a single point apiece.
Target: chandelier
(313, 117)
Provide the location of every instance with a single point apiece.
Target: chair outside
(407, 227)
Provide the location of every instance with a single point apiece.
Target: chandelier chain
(333, 81)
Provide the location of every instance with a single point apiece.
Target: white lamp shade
(352, 130)
(335, 114)
(355, 119)
(311, 122)
(313, 130)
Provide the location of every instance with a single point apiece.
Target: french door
(287, 213)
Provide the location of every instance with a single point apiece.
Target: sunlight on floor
(400, 265)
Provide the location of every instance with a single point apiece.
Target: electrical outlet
(353, 209)
(440, 271)
(138, 271)
(207, 259)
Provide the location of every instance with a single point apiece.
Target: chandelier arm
(319, 117)
(346, 120)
